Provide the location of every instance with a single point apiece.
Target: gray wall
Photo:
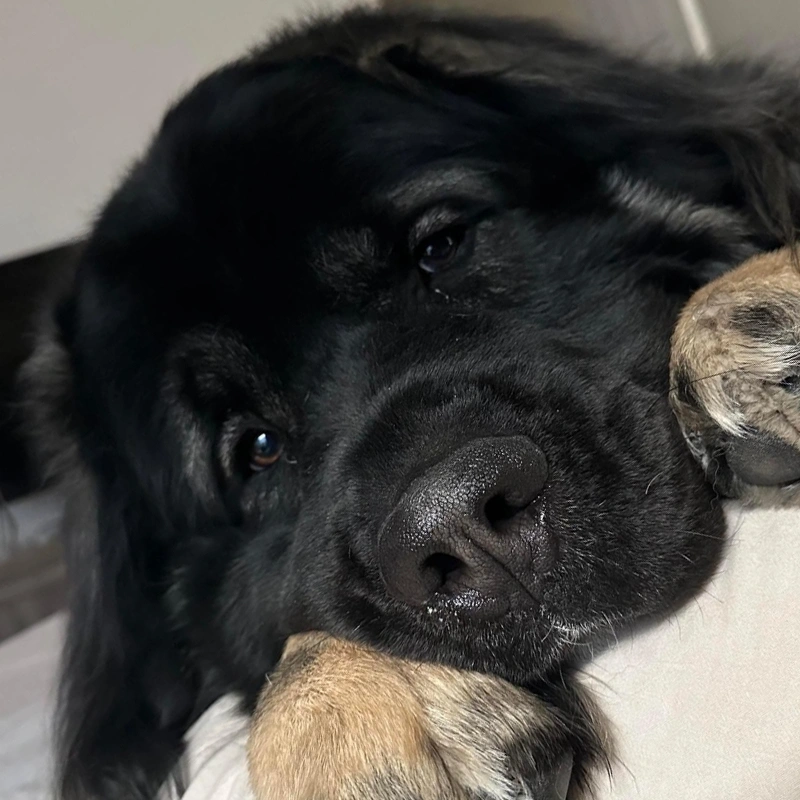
(83, 83)
(757, 25)
(679, 27)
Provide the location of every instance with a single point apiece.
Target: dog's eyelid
(440, 185)
(430, 223)
(442, 218)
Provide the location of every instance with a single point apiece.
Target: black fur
(254, 268)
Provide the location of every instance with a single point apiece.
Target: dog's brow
(442, 181)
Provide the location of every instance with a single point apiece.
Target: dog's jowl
(373, 340)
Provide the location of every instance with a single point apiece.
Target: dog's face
(379, 360)
(374, 341)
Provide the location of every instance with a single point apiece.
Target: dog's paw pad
(735, 378)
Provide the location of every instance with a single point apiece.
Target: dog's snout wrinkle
(463, 534)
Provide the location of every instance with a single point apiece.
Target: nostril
(442, 572)
(500, 509)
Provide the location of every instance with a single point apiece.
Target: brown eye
(265, 450)
(437, 251)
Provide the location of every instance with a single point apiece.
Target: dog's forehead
(270, 176)
(306, 136)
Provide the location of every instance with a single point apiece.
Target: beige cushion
(707, 705)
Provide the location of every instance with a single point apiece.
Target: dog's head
(374, 340)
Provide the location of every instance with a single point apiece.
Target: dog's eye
(435, 252)
(265, 449)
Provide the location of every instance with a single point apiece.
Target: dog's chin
(520, 647)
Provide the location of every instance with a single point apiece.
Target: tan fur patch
(736, 343)
(341, 721)
(323, 727)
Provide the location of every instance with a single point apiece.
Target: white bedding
(706, 706)
(28, 665)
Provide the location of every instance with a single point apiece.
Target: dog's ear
(126, 692)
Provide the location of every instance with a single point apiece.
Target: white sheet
(706, 706)
(28, 664)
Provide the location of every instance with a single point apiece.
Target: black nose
(469, 533)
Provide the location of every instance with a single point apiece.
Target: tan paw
(338, 721)
(735, 379)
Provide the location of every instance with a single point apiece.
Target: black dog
(374, 340)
